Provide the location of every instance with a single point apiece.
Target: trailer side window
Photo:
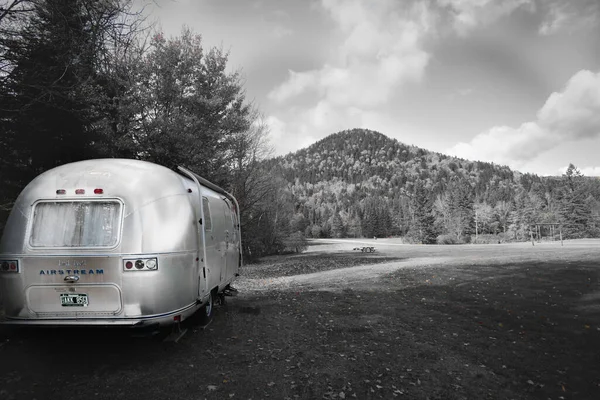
(76, 224)
(207, 220)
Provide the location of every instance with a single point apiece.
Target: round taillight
(128, 265)
(4, 266)
(151, 264)
(139, 264)
(13, 266)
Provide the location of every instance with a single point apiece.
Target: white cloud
(296, 84)
(586, 171)
(382, 50)
(276, 128)
(310, 125)
(590, 171)
(571, 15)
(555, 19)
(469, 14)
(575, 112)
(570, 115)
(383, 47)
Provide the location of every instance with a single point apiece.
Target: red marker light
(13, 266)
(98, 191)
(80, 191)
(128, 265)
(61, 191)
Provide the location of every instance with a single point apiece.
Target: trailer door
(212, 229)
(231, 239)
(201, 255)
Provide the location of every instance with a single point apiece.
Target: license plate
(73, 300)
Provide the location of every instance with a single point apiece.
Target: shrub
(316, 231)
(295, 243)
(447, 239)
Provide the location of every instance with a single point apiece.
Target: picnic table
(365, 249)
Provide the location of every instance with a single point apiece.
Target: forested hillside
(362, 183)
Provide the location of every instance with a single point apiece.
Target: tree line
(359, 183)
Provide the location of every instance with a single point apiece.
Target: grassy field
(511, 321)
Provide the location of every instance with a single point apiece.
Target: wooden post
(476, 233)
(531, 235)
(560, 230)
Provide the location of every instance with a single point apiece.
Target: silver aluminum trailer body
(117, 242)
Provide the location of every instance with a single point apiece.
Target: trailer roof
(137, 182)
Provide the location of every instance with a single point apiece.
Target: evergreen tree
(422, 227)
(337, 227)
(51, 81)
(502, 212)
(460, 206)
(354, 227)
(574, 210)
(187, 109)
(376, 221)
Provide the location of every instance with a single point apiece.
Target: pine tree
(337, 226)
(460, 206)
(370, 220)
(190, 110)
(423, 222)
(51, 81)
(574, 210)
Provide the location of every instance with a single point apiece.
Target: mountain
(362, 183)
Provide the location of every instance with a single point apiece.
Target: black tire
(206, 311)
(203, 315)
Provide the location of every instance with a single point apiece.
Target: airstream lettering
(117, 242)
(68, 271)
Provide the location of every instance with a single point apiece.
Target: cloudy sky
(515, 82)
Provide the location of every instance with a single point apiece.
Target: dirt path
(351, 277)
(368, 275)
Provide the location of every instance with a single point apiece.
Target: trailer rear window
(76, 224)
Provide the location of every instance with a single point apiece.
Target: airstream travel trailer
(117, 242)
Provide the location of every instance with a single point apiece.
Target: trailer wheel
(206, 312)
